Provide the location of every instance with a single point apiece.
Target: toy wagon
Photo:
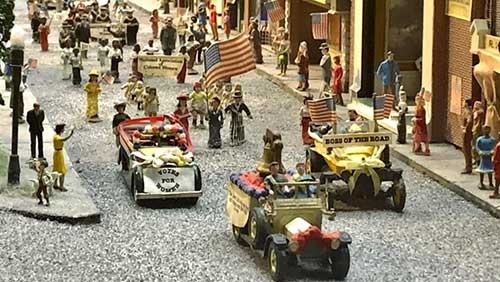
(156, 154)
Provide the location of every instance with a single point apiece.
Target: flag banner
(228, 58)
(274, 11)
(319, 24)
(388, 103)
(108, 78)
(378, 107)
(322, 110)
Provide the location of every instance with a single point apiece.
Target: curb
(280, 83)
(84, 220)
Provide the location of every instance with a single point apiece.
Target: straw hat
(94, 72)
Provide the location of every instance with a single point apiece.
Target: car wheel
(257, 228)
(197, 178)
(340, 261)
(237, 231)
(277, 262)
(399, 196)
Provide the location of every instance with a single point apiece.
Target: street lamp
(16, 62)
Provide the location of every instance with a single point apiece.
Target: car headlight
(293, 246)
(335, 244)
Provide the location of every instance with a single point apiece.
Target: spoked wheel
(237, 235)
(277, 262)
(256, 228)
(340, 261)
(399, 196)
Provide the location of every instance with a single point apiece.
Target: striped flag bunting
(389, 101)
(319, 23)
(274, 11)
(378, 107)
(228, 58)
(322, 110)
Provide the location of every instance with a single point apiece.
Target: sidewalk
(74, 206)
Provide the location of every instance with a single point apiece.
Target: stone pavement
(74, 206)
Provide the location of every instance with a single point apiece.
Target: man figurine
(82, 33)
(388, 72)
(117, 119)
(168, 37)
(35, 118)
(236, 109)
(326, 66)
(467, 136)
(300, 175)
(200, 35)
(402, 111)
(271, 181)
(132, 27)
(256, 42)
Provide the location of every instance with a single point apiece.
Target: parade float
(156, 155)
(286, 231)
(356, 155)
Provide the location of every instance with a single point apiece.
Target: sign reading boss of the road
(167, 181)
(357, 139)
(159, 65)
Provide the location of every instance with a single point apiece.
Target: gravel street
(439, 237)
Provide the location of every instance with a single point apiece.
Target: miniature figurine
(388, 72)
(44, 178)
(256, 43)
(76, 64)
(151, 103)
(200, 36)
(198, 100)
(93, 89)
(216, 91)
(150, 49)
(236, 109)
(271, 182)
(66, 61)
(168, 37)
(128, 87)
(277, 38)
(326, 66)
(94, 11)
(467, 136)
(478, 121)
(35, 118)
(227, 23)
(304, 191)
(116, 56)
(485, 145)
(166, 6)
(496, 169)
(202, 16)
(35, 24)
(192, 47)
(44, 31)
(215, 123)
(354, 116)
(421, 127)
(66, 37)
(181, 76)
(302, 60)
(118, 34)
(154, 19)
(82, 33)
(283, 54)
(182, 111)
(103, 55)
(182, 28)
(117, 119)
(132, 27)
(58, 157)
(213, 23)
(135, 61)
(305, 120)
(338, 74)
(103, 16)
(414, 144)
(402, 111)
(138, 94)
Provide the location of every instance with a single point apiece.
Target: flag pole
(374, 119)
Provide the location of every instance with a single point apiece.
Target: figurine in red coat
(182, 111)
(496, 169)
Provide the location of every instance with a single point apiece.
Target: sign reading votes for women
(357, 139)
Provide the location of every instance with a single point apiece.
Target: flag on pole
(228, 58)
(274, 11)
(322, 110)
(389, 101)
(319, 23)
(108, 78)
(378, 107)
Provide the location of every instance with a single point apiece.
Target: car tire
(399, 195)
(340, 261)
(197, 178)
(277, 261)
(256, 228)
(237, 231)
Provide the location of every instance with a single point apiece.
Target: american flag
(274, 11)
(378, 107)
(322, 110)
(389, 101)
(228, 58)
(319, 23)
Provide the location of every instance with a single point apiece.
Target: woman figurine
(485, 145)
(44, 31)
(402, 111)
(66, 61)
(132, 27)
(477, 124)
(283, 50)
(236, 109)
(338, 73)
(421, 127)
(135, 61)
(154, 19)
(103, 54)
(256, 42)
(215, 123)
(128, 87)
(151, 103)
(302, 61)
(93, 89)
(58, 157)
(305, 119)
(227, 23)
(213, 23)
(76, 64)
(116, 56)
(181, 111)
(138, 94)
(181, 77)
(198, 104)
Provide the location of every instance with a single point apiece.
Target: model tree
(6, 24)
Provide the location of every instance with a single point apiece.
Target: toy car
(156, 154)
(358, 158)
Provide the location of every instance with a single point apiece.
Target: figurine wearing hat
(76, 65)
(388, 72)
(215, 123)
(326, 66)
(93, 89)
(236, 109)
(271, 181)
(198, 100)
(256, 43)
(82, 33)
(168, 36)
(116, 55)
(181, 111)
(132, 25)
(103, 16)
(119, 117)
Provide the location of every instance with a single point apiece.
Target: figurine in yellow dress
(58, 157)
(93, 89)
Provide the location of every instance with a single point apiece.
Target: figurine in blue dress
(485, 146)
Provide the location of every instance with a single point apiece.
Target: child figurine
(421, 128)
(66, 61)
(477, 123)
(138, 94)
(129, 87)
(496, 169)
(215, 123)
(154, 19)
(76, 64)
(198, 100)
(181, 77)
(227, 23)
(303, 190)
(305, 119)
(182, 111)
(485, 145)
(237, 129)
(402, 110)
(103, 54)
(283, 54)
(93, 89)
(151, 103)
(44, 179)
(116, 56)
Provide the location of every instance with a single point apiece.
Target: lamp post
(16, 61)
